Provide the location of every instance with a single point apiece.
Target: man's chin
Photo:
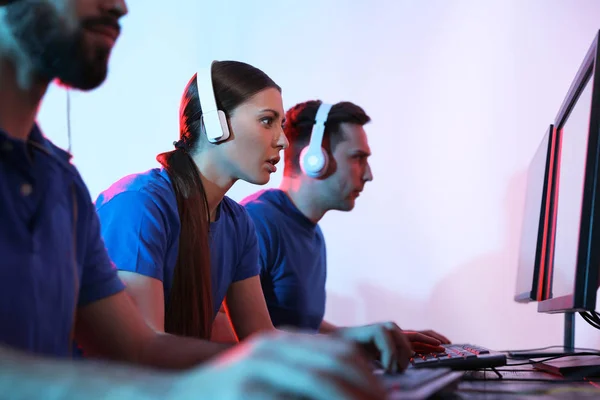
(84, 82)
(347, 205)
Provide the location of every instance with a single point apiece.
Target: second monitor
(533, 251)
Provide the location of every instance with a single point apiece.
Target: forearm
(246, 308)
(176, 352)
(222, 330)
(24, 376)
(326, 327)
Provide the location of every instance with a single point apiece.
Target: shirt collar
(36, 136)
(293, 210)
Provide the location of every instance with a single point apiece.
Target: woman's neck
(216, 183)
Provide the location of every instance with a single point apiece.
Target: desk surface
(520, 382)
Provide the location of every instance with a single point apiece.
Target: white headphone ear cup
(220, 126)
(314, 164)
(325, 166)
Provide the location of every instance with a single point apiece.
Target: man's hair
(299, 123)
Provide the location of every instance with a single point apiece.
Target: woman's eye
(267, 121)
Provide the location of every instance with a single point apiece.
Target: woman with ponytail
(180, 244)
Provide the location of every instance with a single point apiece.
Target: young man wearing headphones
(326, 168)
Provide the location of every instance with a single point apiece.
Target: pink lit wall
(460, 93)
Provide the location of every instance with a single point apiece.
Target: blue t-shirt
(52, 254)
(292, 258)
(140, 225)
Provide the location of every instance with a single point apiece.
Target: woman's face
(257, 137)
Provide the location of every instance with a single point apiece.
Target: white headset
(313, 158)
(213, 119)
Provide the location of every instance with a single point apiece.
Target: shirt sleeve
(248, 265)
(99, 277)
(134, 230)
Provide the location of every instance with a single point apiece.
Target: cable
(597, 353)
(591, 319)
(502, 378)
(470, 377)
(545, 348)
(593, 315)
(69, 120)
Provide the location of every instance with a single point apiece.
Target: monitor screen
(533, 247)
(570, 185)
(574, 236)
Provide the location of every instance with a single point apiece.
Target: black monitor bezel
(537, 291)
(583, 297)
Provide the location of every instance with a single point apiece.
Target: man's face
(350, 169)
(68, 40)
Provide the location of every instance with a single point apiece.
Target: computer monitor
(574, 243)
(534, 232)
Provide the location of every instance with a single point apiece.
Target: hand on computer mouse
(386, 341)
(280, 365)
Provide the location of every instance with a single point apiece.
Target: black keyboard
(461, 357)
